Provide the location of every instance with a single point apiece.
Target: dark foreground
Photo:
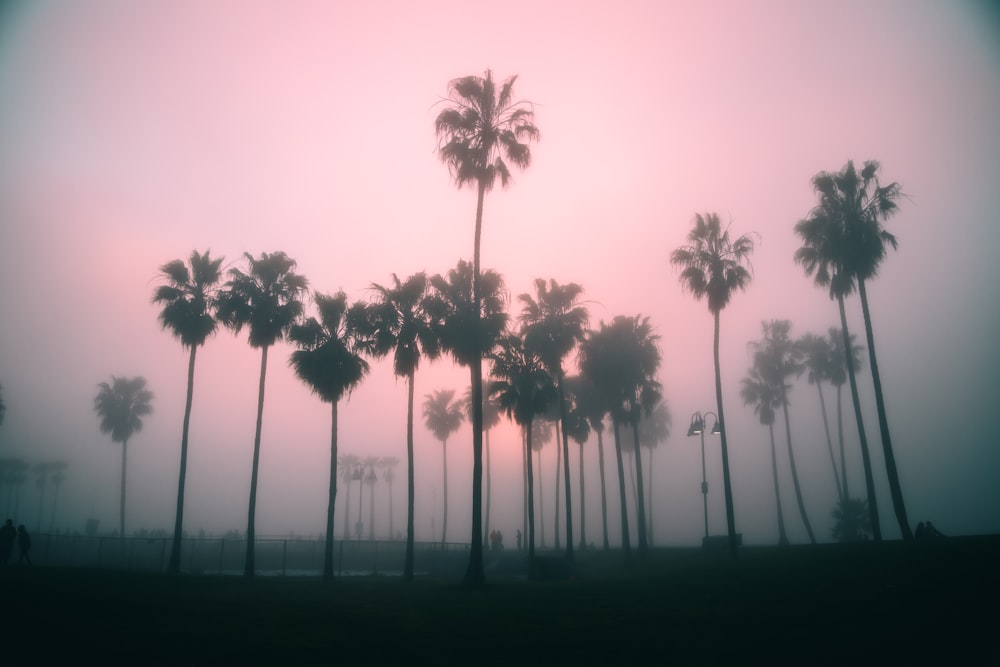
(830, 604)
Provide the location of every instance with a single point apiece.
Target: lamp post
(697, 427)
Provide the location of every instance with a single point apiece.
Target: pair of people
(7, 535)
(496, 540)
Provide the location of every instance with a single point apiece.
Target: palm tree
(854, 204)
(838, 376)
(715, 266)
(399, 324)
(267, 299)
(347, 464)
(777, 358)
(58, 471)
(541, 433)
(818, 256)
(852, 521)
(491, 417)
(388, 465)
(442, 416)
(523, 390)
(481, 130)
(591, 402)
(371, 479)
(329, 362)
(652, 431)
(120, 406)
(763, 396)
(817, 357)
(578, 428)
(188, 300)
(553, 324)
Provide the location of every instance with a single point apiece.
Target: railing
(221, 556)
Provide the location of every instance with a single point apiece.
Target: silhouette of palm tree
(592, 403)
(491, 417)
(442, 416)
(817, 358)
(267, 299)
(777, 359)
(121, 406)
(523, 390)
(853, 206)
(481, 130)
(188, 300)
(398, 323)
(553, 324)
(653, 430)
(852, 521)
(838, 377)
(388, 465)
(765, 398)
(329, 362)
(346, 465)
(715, 266)
(541, 434)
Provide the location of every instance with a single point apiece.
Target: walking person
(23, 545)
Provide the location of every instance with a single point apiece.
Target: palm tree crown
(188, 297)
(442, 414)
(714, 265)
(121, 406)
(452, 312)
(555, 322)
(399, 323)
(482, 129)
(266, 299)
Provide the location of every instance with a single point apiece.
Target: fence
(273, 556)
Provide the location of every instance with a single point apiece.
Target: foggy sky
(133, 133)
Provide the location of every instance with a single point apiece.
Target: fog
(134, 133)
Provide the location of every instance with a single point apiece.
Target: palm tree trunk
(583, 507)
(565, 452)
(525, 460)
(727, 484)
(486, 514)
(782, 536)
(248, 567)
(795, 473)
(604, 494)
(895, 490)
(408, 562)
(829, 441)
(347, 511)
(121, 515)
(541, 498)
(332, 496)
(840, 437)
(865, 458)
(531, 502)
(444, 461)
(474, 574)
(640, 504)
(174, 565)
(555, 522)
(649, 500)
(626, 547)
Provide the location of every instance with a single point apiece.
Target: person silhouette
(23, 545)
(7, 535)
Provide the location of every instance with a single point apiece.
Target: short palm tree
(653, 430)
(523, 390)
(852, 521)
(817, 358)
(854, 204)
(120, 406)
(818, 256)
(267, 300)
(398, 323)
(329, 361)
(442, 416)
(482, 128)
(764, 397)
(715, 266)
(592, 403)
(777, 358)
(188, 299)
(346, 465)
(553, 323)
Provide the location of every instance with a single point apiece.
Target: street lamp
(697, 427)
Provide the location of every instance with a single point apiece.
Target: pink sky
(132, 133)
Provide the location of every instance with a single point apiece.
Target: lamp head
(697, 424)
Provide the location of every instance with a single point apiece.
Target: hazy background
(132, 133)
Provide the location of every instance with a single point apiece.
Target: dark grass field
(887, 604)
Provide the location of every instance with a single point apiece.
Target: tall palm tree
(443, 416)
(777, 358)
(267, 300)
(188, 300)
(817, 357)
(346, 465)
(855, 204)
(479, 132)
(120, 406)
(653, 430)
(328, 360)
(553, 324)
(491, 417)
(819, 257)
(838, 377)
(715, 266)
(592, 403)
(763, 396)
(523, 390)
(399, 324)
